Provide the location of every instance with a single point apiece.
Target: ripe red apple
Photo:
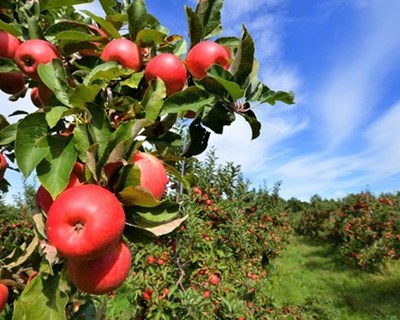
(103, 274)
(203, 55)
(213, 279)
(170, 69)
(8, 45)
(97, 32)
(153, 175)
(3, 165)
(31, 53)
(84, 222)
(12, 82)
(44, 199)
(3, 296)
(40, 95)
(123, 51)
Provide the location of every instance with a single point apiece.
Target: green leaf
(82, 140)
(209, 12)
(55, 78)
(199, 137)
(42, 299)
(77, 36)
(104, 73)
(100, 128)
(7, 65)
(271, 97)
(242, 64)
(104, 24)
(217, 117)
(28, 150)
(192, 98)
(11, 28)
(150, 38)
(224, 78)
(54, 115)
(137, 17)
(136, 234)
(66, 25)
(8, 134)
(51, 4)
(165, 212)
(83, 94)
(137, 196)
(255, 125)
(108, 6)
(195, 25)
(3, 122)
(55, 169)
(133, 81)
(153, 99)
(129, 176)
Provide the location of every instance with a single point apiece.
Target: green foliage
(229, 233)
(365, 229)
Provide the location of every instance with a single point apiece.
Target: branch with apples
(112, 95)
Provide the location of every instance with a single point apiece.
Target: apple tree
(113, 93)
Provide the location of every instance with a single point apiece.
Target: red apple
(31, 53)
(96, 32)
(40, 95)
(123, 51)
(170, 69)
(3, 165)
(84, 222)
(44, 199)
(3, 296)
(12, 82)
(153, 175)
(213, 279)
(203, 55)
(103, 274)
(8, 45)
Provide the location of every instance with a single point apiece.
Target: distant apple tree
(112, 93)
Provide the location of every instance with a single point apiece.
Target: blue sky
(342, 60)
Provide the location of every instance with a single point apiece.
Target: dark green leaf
(7, 65)
(196, 31)
(255, 125)
(42, 299)
(104, 24)
(198, 140)
(10, 28)
(192, 98)
(130, 176)
(108, 6)
(217, 117)
(82, 140)
(28, 150)
(55, 169)
(8, 134)
(209, 12)
(100, 128)
(224, 78)
(3, 122)
(136, 234)
(55, 78)
(83, 94)
(137, 17)
(242, 64)
(51, 4)
(153, 99)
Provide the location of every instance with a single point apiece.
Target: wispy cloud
(350, 91)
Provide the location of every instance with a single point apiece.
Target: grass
(307, 275)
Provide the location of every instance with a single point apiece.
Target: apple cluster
(85, 223)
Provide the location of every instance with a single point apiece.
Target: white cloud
(348, 95)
